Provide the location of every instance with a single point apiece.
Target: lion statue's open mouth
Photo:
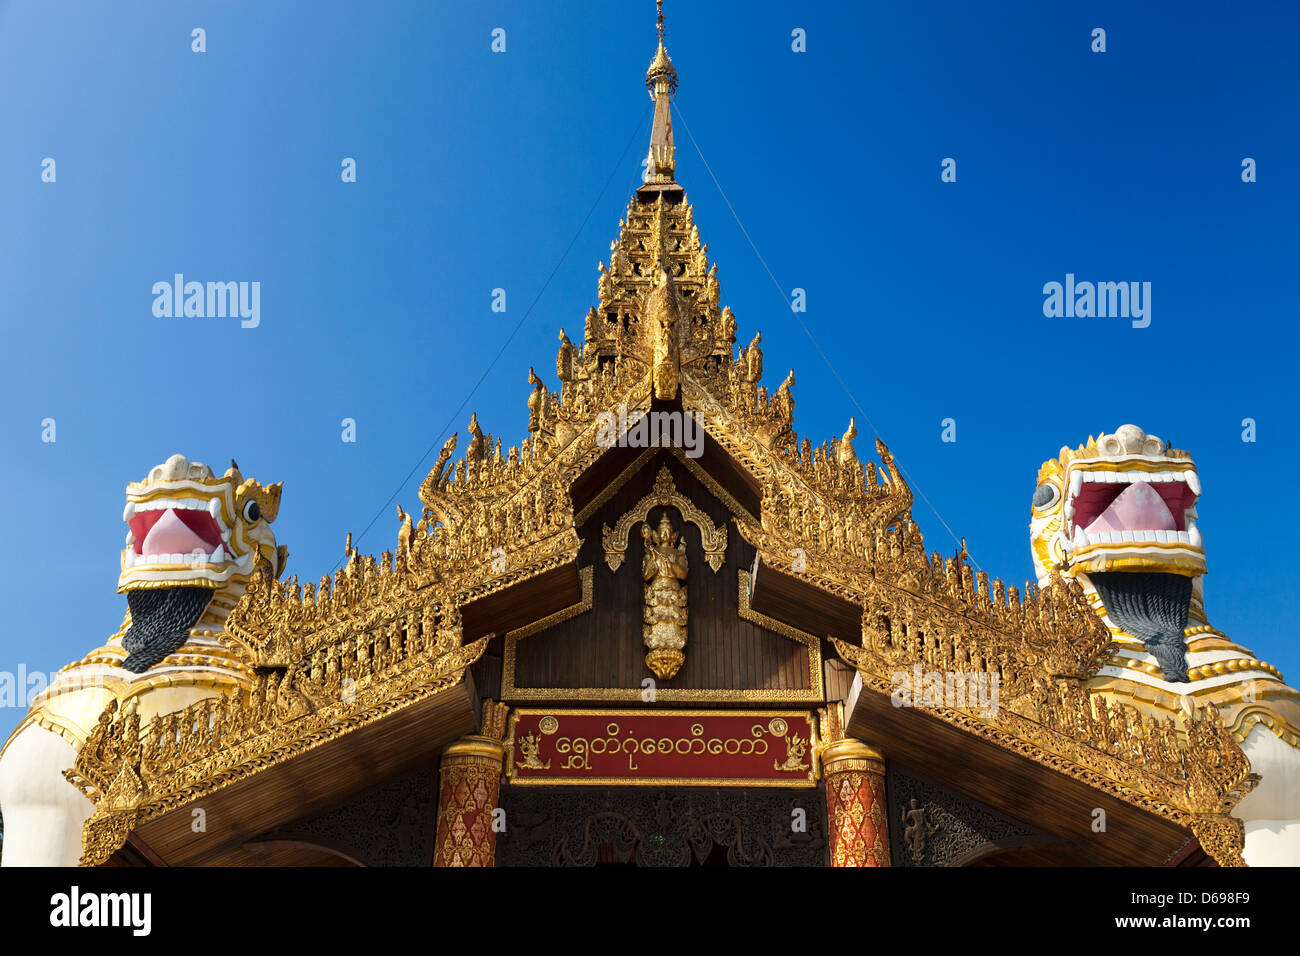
(1119, 513)
(191, 535)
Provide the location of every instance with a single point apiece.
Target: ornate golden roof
(495, 518)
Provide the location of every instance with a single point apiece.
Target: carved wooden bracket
(713, 538)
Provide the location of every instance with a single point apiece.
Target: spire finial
(661, 81)
(661, 73)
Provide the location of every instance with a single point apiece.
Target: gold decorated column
(855, 803)
(467, 799)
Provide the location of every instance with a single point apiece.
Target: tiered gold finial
(661, 71)
(661, 81)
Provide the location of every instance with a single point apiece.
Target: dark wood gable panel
(602, 648)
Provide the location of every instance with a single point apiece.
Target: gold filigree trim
(1248, 717)
(1191, 772)
(559, 617)
(614, 487)
(709, 482)
(712, 538)
(188, 754)
(811, 641)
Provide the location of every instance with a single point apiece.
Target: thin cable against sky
(442, 433)
(812, 338)
(510, 338)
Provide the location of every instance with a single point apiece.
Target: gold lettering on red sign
(578, 750)
(644, 748)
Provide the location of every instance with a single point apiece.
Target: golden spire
(661, 163)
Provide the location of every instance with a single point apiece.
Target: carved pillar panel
(470, 793)
(855, 804)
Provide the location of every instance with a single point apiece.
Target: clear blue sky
(475, 171)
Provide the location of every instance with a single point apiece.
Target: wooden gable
(593, 649)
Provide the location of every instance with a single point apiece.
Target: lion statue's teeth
(192, 535)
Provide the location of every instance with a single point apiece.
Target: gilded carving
(665, 494)
(664, 567)
(663, 312)
(1191, 770)
(390, 627)
(530, 746)
(137, 774)
(795, 749)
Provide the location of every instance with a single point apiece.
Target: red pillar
(467, 799)
(855, 803)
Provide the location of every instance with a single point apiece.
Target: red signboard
(680, 747)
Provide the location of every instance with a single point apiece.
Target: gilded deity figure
(664, 568)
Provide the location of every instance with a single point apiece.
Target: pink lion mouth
(1136, 508)
(165, 532)
(1109, 507)
(173, 533)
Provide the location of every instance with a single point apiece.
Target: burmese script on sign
(678, 746)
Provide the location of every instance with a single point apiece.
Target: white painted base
(43, 813)
(1272, 810)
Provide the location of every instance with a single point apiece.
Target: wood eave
(734, 479)
(730, 475)
(559, 588)
(308, 783)
(1062, 805)
(529, 600)
(798, 602)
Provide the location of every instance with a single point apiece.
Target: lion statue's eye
(252, 512)
(1046, 495)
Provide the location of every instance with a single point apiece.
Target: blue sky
(475, 171)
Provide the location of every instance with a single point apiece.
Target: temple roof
(497, 547)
